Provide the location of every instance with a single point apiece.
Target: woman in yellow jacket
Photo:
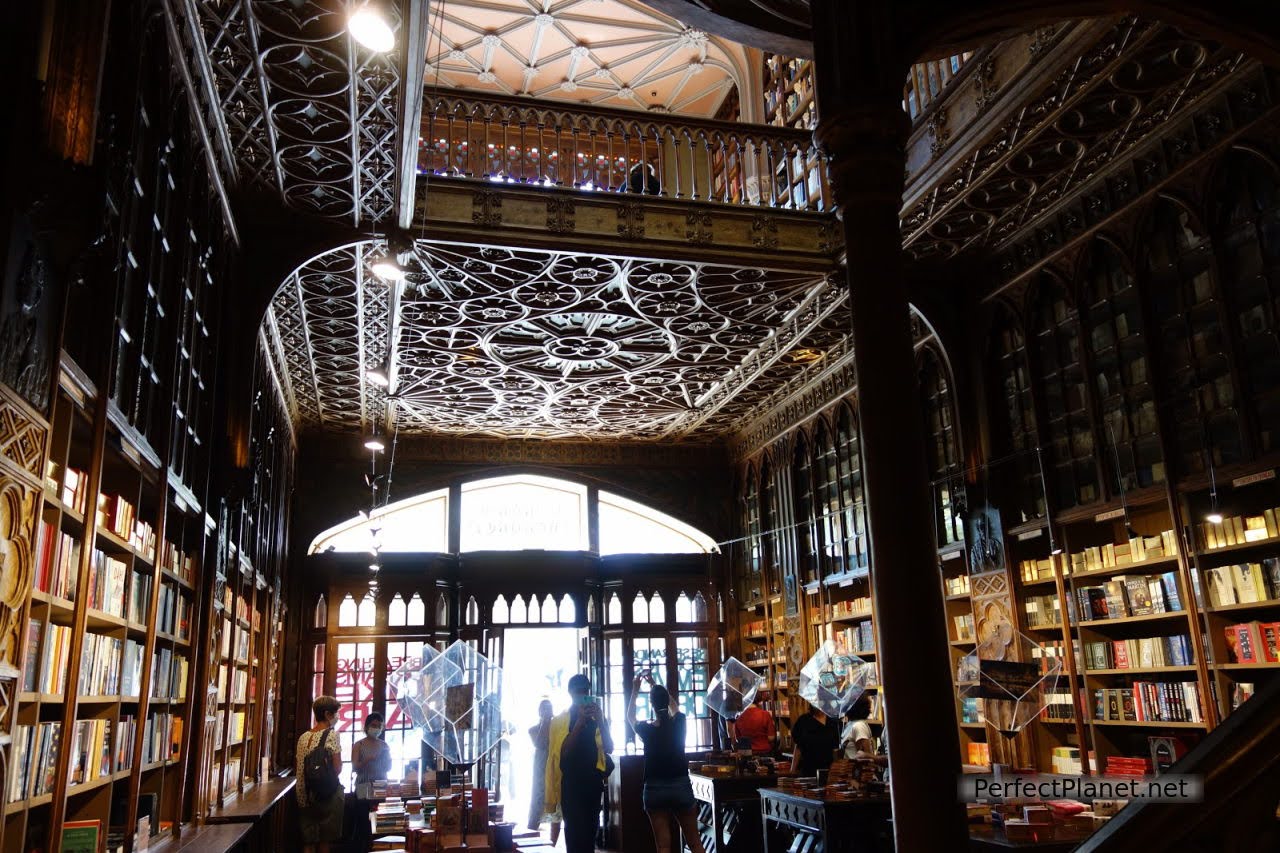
(577, 765)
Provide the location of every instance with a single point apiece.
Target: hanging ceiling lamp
(370, 26)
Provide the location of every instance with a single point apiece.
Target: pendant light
(370, 26)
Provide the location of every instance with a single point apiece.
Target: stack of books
(1130, 595)
(1136, 768)
(1137, 550)
(390, 817)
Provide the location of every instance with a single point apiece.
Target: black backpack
(318, 773)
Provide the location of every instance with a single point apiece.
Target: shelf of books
(841, 609)
(1237, 570)
(240, 616)
(764, 646)
(1135, 630)
(789, 91)
(105, 677)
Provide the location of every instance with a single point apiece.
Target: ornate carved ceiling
(298, 108)
(616, 53)
(512, 343)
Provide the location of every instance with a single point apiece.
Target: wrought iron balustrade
(604, 150)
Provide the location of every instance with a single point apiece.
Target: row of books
(1143, 653)
(139, 597)
(1253, 642)
(107, 580)
(964, 626)
(91, 751)
(1058, 706)
(1036, 570)
(57, 561)
(1241, 529)
(958, 585)
(72, 488)
(179, 562)
(1155, 701)
(1043, 611)
(34, 775)
(971, 710)
(1244, 583)
(173, 615)
(1052, 655)
(168, 674)
(1066, 759)
(119, 516)
(857, 638)
(241, 642)
(1130, 595)
(161, 737)
(45, 668)
(979, 753)
(239, 684)
(1139, 549)
(848, 608)
(100, 665)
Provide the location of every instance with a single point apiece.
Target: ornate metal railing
(604, 150)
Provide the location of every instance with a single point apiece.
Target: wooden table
(729, 811)
(800, 824)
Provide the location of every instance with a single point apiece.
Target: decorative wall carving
(23, 436)
(631, 220)
(764, 232)
(486, 207)
(699, 232)
(560, 215)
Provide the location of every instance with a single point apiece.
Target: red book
(1270, 632)
(1121, 650)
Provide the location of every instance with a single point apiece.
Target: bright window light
(627, 527)
(523, 511)
(417, 524)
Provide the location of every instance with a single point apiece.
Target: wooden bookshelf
(789, 90)
(1237, 580)
(95, 609)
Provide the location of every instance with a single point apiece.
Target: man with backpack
(320, 795)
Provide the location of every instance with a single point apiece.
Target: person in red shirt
(755, 725)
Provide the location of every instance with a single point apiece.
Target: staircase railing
(605, 150)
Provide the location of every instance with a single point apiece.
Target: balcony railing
(603, 150)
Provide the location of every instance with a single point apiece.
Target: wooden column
(860, 73)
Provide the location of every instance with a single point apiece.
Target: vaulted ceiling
(617, 53)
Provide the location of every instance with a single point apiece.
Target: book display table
(801, 824)
(729, 811)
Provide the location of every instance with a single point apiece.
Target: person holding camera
(668, 792)
(577, 765)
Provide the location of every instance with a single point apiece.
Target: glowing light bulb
(370, 28)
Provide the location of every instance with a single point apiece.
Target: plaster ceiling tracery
(615, 53)
(513, 343)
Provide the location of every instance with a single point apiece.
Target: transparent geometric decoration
(733, 688)
(410, 690)
(832, 680)
(457, 699)
(1008, 679)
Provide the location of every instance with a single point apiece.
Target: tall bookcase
(107, 653)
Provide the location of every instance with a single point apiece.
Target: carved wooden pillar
(860, 73)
